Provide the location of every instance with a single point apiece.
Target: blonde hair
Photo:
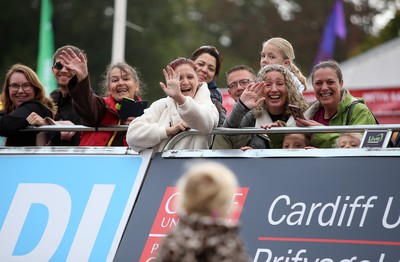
(207, 189)
(294, 97)
(287, 51)
(357, 136)
(33, 79)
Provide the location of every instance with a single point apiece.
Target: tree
(173, 28)
(392, 30)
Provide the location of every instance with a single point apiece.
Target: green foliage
(173, 28)
(392, 30)
(19, 34)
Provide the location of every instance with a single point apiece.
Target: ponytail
(296, 71)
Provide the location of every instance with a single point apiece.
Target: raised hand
(172, 86)
(77, 65)
(251, 95)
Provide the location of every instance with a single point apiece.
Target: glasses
(58, 65)
(242, 83)
(15, 87)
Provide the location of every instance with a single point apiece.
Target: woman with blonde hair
(264, 103)
(279, 51)
(23, 93)
(203, 234)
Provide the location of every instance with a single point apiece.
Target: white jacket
(149, 130)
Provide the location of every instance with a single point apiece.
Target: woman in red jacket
(121, 80)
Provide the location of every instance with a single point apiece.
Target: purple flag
(335, 26)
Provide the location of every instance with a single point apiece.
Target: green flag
(46, 47)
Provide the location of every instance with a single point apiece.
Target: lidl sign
(66, 208)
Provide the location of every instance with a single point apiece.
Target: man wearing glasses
(238, 78)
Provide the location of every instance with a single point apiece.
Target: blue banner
(66, 208)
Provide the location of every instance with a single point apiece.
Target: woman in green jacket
(332, 105)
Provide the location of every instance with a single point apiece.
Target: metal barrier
(230, 131)
(283, 130)
(77, 128)
(227, 131)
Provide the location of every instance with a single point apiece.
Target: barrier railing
(77, 128)
(230, 131)
(227, 131)
(283, 130)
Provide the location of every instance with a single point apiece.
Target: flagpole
(46, 47)
(119, 28)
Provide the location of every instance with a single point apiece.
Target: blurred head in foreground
(207, 189)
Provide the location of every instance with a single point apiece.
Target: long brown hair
(33, 79)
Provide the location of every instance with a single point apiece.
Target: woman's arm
(236, 116)
(87, 105)
(90, 107)
(16, 120)
(199, 112)
(150, 128)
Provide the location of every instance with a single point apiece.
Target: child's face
(292, 141)
(347, 141)
(271, 55)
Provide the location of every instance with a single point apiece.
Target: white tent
(378, 67)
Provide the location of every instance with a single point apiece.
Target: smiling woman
(23, 93)
(333, 104)
(187, 105)
(120, 80)
(262, 103)
(208, 61)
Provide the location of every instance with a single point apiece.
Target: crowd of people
(263, 99)
(193, 101)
